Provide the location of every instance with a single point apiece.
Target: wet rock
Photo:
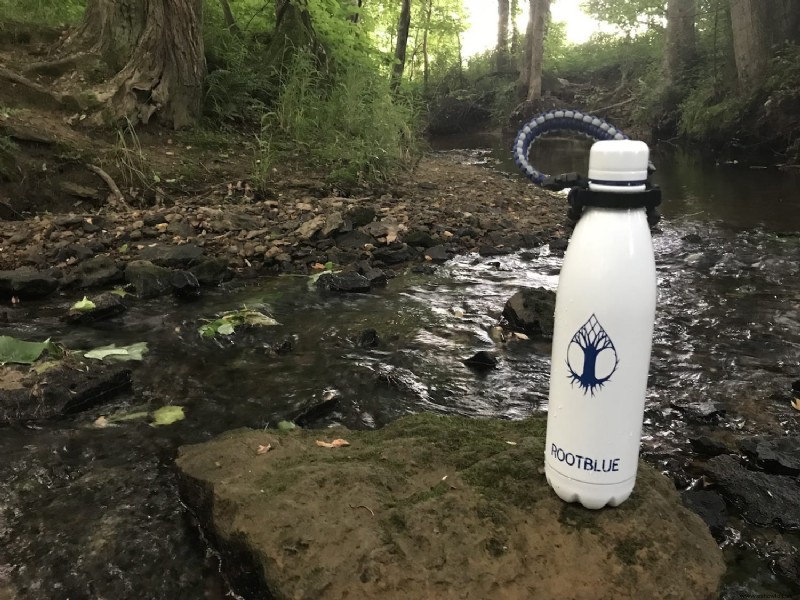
(9, 214)
(107, 306)
(185, 285)
(360, 216)
(181, 228)
(183, 256)
(763, 499)
(420, 238)
(558, 246)
(710, 506)
(348, 282)
(701, 260)
(779, 455)
(98, 271)
(486, 251)
(27, 283)
(147, 279)
(796, 387)
(318, 411)
(212, 271)
(531, 311)
(62, 390)
(424, 269)
(481, 361)
(354, 240)
(368, 338)
(437, 254)
(700, 410)
(692, 238)
(387, 491)
(394, 254)
(707, 447)
(375, 276)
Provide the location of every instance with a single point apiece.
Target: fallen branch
(108, 181)
(362, 506)
(605, 108)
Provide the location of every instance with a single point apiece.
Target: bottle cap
(618, 166)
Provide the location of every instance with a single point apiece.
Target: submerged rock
(349, 282)
(433, 507)
(779, 455)
(106, 306)
(481, 361)
(60, 390)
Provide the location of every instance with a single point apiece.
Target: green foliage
(48, 12)
(13, 350)
(346, 123)
(632, 17)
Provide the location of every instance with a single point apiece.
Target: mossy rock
(434, 507)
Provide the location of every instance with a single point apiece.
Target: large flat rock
(434, 507)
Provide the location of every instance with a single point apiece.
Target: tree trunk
(357, 4)
(681, 42)
(501, 53)
(751, 40)
(403, 27)
(531, 73)
(426, 66)
(154, 53)
(293, 33)
(230, 22)
(513, 10)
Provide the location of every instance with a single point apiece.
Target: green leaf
(119, 354)
(228, 322)
(329, 265)
(119, 292)
(128, 417)
(123, 249)
(286, 426)
(83, 305)
(21, 352)
(167, 415)
(225, 329)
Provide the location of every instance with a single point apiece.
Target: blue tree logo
(590, 342)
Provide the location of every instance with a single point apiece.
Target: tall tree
(530, 81)
(426, 65)
(501, 52)
(230, 21)
(681, 40)
(154, 56)
(758, 27)
(403, 26)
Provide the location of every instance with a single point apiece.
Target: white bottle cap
(618, 166)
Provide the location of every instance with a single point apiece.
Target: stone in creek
(212, 271)
(354, 240)
(148, 280)
(420, 238)
(183, 256)
(67, 390)
(394, 254)
(27, 283)
(107, 306)
(391, 482)
(437, 254)
(558, 246)
(765, 500)
(373, 274)
(778, 455)
(701, 410)
(185, 285)
(487, 250)
(368, 338)
(710, 506)
(481, 361)
(96, 272)
(708, 447)
(349, 282)
(531, 311)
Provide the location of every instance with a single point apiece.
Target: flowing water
(91, 513)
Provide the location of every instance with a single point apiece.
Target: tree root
(109, 181)
(41, 91)
(56, 67)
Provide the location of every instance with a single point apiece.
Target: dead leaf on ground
(796, 404)
(262, 449)
(334, 444)
(100, 422)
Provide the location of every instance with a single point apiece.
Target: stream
(90, 512)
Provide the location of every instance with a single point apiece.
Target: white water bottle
(605, 309)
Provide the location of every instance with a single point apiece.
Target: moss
(579, 518)
(627, 550)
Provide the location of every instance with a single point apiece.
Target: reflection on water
(727, 336)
